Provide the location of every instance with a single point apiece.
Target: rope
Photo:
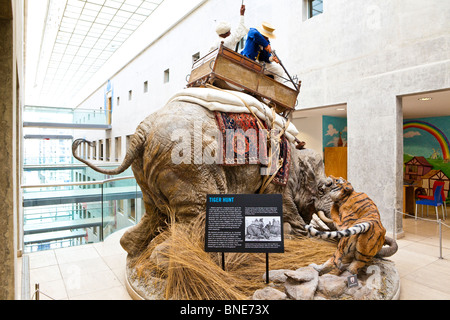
(36, 291)
(267, 179)
(420, 218)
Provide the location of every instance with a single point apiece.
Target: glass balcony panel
(77, 213)
(42, 114)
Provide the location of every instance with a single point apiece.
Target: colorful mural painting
(426, 145)
(334, 131)
(437, 134)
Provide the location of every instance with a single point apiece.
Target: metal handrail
(67, 184)
(64, 109)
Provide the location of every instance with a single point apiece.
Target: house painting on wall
(416, 168)
(431, 177)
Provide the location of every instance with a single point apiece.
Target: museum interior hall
(115, 122)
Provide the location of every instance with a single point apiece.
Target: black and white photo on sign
(266, 228)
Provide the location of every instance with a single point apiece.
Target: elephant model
(172, 187)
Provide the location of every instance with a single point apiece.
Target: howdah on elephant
(180, 187)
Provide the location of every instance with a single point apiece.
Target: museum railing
(73, 116)
(69, 214)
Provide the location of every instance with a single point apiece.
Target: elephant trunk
(135, 149)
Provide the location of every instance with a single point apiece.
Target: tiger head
(339, 188)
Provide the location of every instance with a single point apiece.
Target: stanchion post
(223, 261)
(394, 232)
(440, 239)
(36, 289)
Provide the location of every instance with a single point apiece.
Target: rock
(378, 281)
(303, 274)
(301, 284)
(277, 276)
(269, 293)
(364, 293)
(331, 285)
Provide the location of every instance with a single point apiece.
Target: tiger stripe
(356, 229)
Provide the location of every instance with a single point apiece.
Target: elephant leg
(134, 240)
(137, 238)
(183, 190)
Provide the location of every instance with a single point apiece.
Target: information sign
(244, 223)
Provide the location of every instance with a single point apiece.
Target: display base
(379, 281)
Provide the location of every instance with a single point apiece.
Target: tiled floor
(88, 272)
(424, 276)
(96, 271)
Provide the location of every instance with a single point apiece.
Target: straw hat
(267, 30)
(223, 27)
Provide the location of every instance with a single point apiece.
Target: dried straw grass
(190, 273)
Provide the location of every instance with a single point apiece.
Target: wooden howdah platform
(228, 69)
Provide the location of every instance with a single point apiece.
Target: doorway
(426, 159)
(324, 130)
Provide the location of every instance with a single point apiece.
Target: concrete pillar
(375, 149)
(8, 156)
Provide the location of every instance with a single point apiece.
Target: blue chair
(435, 202)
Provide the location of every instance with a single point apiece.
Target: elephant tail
(135, 149)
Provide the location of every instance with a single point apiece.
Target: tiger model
(360, 232)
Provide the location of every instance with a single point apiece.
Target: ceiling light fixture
(425, 99)
(340, 109)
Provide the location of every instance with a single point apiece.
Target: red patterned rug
(243, 143)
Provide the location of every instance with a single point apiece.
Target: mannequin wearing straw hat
(257, 47)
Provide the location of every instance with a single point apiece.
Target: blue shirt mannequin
(252, 49)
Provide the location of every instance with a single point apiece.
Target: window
(94, 151)
(132, 212)
(108, 149)
(413, 169)
(130, 94)
(166, 76)
(120, 206)
(195, 57)
(128, 141)
(145, 86)
(118, 148)
(315, 7)
(100, 142)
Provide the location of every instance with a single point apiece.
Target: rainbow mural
(433, 130)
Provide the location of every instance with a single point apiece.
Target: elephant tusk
(323, 217)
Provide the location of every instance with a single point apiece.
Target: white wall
(360, 53)
(310, 132)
